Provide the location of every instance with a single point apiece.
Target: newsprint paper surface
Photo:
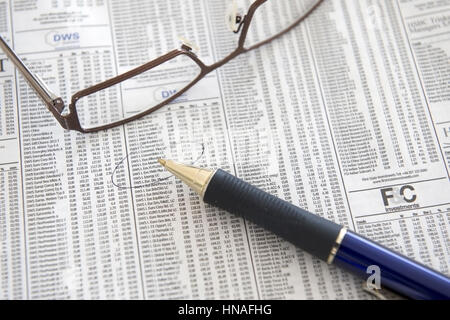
(347, 115)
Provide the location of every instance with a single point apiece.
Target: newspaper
(347, 115)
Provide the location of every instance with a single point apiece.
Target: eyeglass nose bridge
(233, 18)
(188, 45)
(240, 22)
(235, 22)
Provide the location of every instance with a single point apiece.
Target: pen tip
(162, 162)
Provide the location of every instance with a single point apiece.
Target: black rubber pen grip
(302, 228)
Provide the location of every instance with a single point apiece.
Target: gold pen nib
(162, 162)
(194, 177)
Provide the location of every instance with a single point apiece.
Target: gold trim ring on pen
(336, 245)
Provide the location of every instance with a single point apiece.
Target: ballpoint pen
(322, 238)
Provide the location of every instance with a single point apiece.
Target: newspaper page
(347, 115)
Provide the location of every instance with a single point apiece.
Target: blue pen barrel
(321, 237)
(398, 273)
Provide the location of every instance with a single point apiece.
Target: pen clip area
(382, 293)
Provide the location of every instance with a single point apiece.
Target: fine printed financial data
(347, 115)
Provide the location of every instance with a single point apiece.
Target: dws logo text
(59, 39)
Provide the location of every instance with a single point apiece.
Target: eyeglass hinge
(57, 108)
(58, 105)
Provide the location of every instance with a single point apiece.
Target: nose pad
(232, 18)
(188, 45)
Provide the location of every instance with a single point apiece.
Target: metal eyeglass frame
(70, 120)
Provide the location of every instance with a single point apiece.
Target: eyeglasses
(91, 110)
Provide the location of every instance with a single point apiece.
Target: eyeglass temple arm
(35, 81)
